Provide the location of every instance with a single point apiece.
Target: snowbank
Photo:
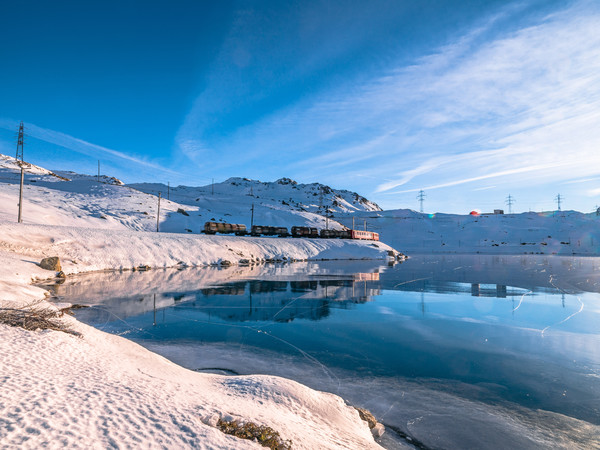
(87, 249)
(99, 390)
(552, 233)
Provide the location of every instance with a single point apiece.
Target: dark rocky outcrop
(51, 263)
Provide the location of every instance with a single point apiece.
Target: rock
(377, 429)
(182, 211)
(61, 274)
(225, 262)
(51, 263)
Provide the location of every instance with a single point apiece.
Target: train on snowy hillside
(296, 232)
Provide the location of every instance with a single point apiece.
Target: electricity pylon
(421, 197)
(20, 136)
(558, 199)
(509, 201)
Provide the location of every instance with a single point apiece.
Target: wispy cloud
(516, 99)
(79, 145)
(520, 170)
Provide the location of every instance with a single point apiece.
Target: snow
(103, 391)
(97, 390)
(83, 201)
(549, 233)
(68, 198)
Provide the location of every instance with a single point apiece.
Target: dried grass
(265, 436)
(35, 317)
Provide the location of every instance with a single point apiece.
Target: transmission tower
(20, 142)
(509, 201)
(421, 197)
(558, 199)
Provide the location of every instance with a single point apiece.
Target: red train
(297, 232)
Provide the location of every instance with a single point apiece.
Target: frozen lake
(449, 351)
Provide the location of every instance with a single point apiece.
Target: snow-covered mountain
(69, 198)
(554, 232)
(315, 197)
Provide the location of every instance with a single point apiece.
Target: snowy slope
(313, 197)
(101, 391)
(560, 232)
(68, 198)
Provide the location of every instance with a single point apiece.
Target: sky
(468, 101)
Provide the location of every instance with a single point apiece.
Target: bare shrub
(265, 436)
(35, 317)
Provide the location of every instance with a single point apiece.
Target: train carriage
(296, 231)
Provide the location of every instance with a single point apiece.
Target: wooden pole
(158, 213)
(21, 194)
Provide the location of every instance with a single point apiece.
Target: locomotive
(296, 232)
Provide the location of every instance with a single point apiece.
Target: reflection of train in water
(297, 232)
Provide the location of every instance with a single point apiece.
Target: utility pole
(20, 136)
(509, 201)
(98, 171)
(421, 197)
(158, 212)
(168, 190)
(20, 219)
(252, 217)
(558, 199)
(22, 164)
(365, 224)
(327, 217)
(213, 187)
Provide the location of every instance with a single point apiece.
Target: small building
(498, 211)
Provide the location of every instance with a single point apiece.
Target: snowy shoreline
(98, 390)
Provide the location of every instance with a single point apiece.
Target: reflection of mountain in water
(251, 300)
(281, 301)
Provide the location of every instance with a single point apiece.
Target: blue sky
(470, 101)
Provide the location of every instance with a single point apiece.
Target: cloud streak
(516, 99)
(80, 146)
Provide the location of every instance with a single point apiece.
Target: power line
(509, 201)
(421, 197)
